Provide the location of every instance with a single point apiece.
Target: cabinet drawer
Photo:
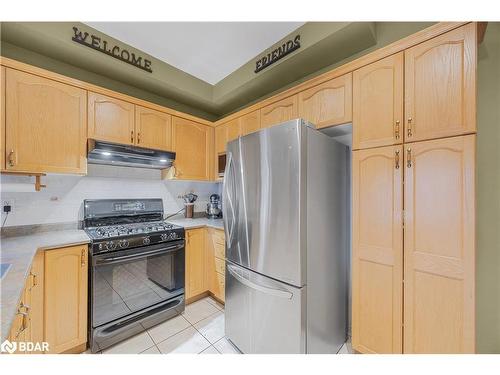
(219, 237)
(220, 266)
(220, 250)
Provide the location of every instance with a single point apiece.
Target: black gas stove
(136, 273)
(121, 224)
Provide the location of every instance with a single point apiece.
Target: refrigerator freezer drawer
(263, 315)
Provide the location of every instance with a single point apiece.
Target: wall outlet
(8, 202)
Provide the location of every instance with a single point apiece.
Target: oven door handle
(119, 259)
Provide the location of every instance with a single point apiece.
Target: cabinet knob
(138, 137)
(132, 136)
(396, 159)
(408, 158)
(83, 258)
(396, 130)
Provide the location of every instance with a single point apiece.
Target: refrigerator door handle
(264, 289)
(229, 226)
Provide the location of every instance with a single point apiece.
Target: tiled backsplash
(61, 200)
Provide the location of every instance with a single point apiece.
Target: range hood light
(106, 153)
(163, 160)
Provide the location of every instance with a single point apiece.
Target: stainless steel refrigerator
(285, 209)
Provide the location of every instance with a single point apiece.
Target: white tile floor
(200, 329)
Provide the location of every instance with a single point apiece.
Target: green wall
(488, 194)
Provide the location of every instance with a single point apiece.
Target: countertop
(19, 252)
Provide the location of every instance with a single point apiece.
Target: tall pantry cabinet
(414, 204)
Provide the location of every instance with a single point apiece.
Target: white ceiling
(207, 50)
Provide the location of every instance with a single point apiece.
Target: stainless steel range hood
(128, 156)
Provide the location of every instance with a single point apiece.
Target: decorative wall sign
(277, 54)
(115, 51)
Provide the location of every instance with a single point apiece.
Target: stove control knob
(100, 246)
(146, 240)
(123, 244)
(173, 235)
(110, 245)
(164, 237)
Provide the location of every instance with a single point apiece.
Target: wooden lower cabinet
(28, 322)
(66, 286)
(377, 259)
(439, 246)
(205, 264)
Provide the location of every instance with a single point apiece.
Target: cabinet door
(220, 139)
(250, 122)
(195, 262)
(2, 118)
(378, 103)
(440, 86)
(329, 103)
(440, 246)
(45, 125)
(154, 129)
(66, 298)
(233, 129)
(111, 119)
(377, 260)
(284, 110)
(36, 289)
(192, 143)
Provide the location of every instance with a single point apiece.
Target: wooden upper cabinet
(329, 103)
(233, 129)
(195, 262)
(45, 125)
(111, 119)
(440, 86)
(377, 260)
(378, 103)
(250, 122)
(440, 246)
(153, 129)
(283, 110)
(220, 139)
(66, 287)
(193, 144)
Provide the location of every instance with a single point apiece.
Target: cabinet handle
(408, 158)
(24, 325)
(396, 157)
(396, 131)
(83, 258)
(11, 158)
(33, 280)
(138, 137)
(132, 136)
(409, 132)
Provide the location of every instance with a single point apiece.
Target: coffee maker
(213, 207)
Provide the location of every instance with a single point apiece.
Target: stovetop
(112, 231)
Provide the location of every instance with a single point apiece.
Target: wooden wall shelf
(38, 181)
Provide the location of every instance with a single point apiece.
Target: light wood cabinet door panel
(2, 118)
(440, 86)
(220, 139)
(45, 125)
(111, 119)
(329, 103)
(440, 246)
(377, 262)
(378, 103)
(250, 122)
(195, 262)
(66, 297)
(193, 144)
(283, 110)
(233, 129)
(154, 129)
(36, 290)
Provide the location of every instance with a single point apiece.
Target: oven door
(127, 281)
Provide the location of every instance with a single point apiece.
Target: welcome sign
(99, 44)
